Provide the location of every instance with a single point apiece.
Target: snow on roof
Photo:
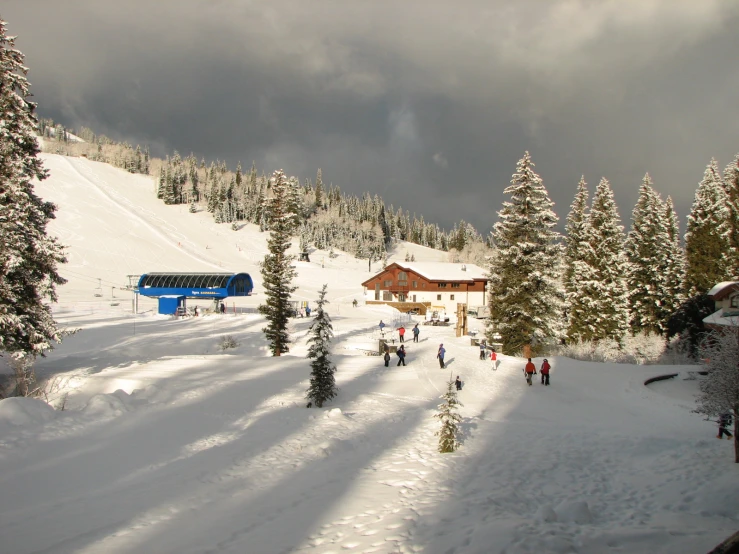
(441, 271)
(721, 286)
(723, 317)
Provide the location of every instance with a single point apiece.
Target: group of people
(401, 331)
(530, 371)
(400, 352)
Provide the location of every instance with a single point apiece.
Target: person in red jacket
(494, 358)
(530, 371)
(545, 367)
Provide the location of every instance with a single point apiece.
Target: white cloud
(440, 160)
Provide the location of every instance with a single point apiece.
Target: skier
(401, 355)
(458, 383)
(494, 358)
(440, 356)
(354, 303)
(401, 333)
(416, 330)
(482, 349)
(724, 420)
(545, 367)
(307, 311)
(382, 328)
(529, 371)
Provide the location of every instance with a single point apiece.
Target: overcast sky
(429, 104)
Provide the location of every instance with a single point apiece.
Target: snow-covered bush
(635, 349)
(228, 342)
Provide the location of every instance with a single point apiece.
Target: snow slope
(168, 444)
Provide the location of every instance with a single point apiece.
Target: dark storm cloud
(429, 104)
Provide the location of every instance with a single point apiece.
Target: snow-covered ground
(170, 445)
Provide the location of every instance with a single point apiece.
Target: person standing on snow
(387, 356)
(724, 420)
(401, 333)
(529, 371)
(401, 355)
(494, 358)
(440, 356)
(458, 383)
(545, 367)
(416, 330)
(482, 349)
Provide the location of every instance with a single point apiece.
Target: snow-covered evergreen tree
(605, 285)
(577, 271)
(450, 419)
(322, 381)
(707, 240)
(731, 186)
(277, 269)
(673, 293)
(525, 295)
(719, 391)
(318, 202)
(28, 256)
(646, 249)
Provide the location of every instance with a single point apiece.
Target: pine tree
(646, 250)
(322, 382)
(277, 269)
(577, 271)
(318, 203)
(672, 293)
(719, 391)
(731, 186)
(450, 420)
(525, 296)
(707, 240)
(28, 256)
(605, 287)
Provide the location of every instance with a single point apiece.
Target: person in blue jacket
(401, 355)
(440, 356)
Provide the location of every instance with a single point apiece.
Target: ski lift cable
(97, 280)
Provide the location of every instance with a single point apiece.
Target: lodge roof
(440, 271)
(723, 289)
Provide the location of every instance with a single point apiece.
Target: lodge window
(415, 284)
(387, 296)
(401, 297)
(442, 285)
(387, 283)
(455, 285)
(438, 297)
(734, 301)
(451, 297)
(402, 276)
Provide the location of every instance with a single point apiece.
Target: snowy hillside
(170, 445)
